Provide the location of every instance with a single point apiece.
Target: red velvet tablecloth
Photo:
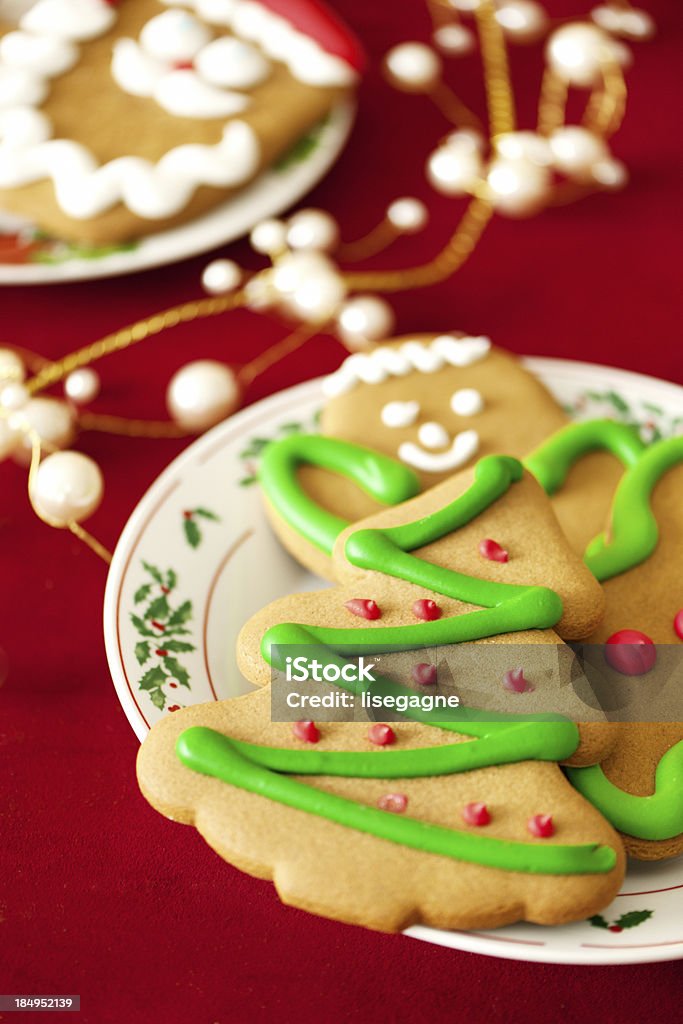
(101, 896)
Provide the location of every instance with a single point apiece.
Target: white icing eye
(467, 402)
(174, 36)
(232, 64)
(399, 414)
(433, 435)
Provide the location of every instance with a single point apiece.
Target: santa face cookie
(434, 404)
(478, 558)
(639, 786)
(121, 119)
(463, 827)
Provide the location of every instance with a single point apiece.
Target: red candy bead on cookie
(476, 814)
(394, 802)
(306, 731)
(424, 674)
(492, 550)
(427, 610)
(630, 652)
(363, 609)
(678, 624)
(515, 682)
(381, 735)
(541, 826)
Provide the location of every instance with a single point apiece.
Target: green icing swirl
(659, 816)
(551, 462)
(265, 771)
(634, 532)
(383, 478)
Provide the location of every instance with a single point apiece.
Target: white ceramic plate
(200, 534)
(274, 191)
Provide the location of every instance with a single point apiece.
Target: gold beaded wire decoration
(603, 114)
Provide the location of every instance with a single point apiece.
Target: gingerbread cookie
(433, 403)
(117, 119)
(468, 826)
(413, 577)
(639, 787)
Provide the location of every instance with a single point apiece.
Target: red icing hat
(316, 20)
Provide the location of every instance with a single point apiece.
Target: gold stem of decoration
(452, 107)
(92, 542)
(605, 110)
(379, 238)
(552, 103)
(52, 373)
(450, 259)
(123, 427)
(499, 97)
(272, 355)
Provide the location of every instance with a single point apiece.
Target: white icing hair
(423, 356)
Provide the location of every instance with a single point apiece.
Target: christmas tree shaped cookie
(433, 403)
(118, 119)
(456, 826)
(480, 558)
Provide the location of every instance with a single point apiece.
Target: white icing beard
(45, 46)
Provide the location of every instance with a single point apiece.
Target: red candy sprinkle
(174, 707)
(476, 814)
(630, 652)
(363, 609)
(307, 731)
(678, 624)
(541, 826)
(425, 674)
(394, 802)
(514, 681)
(492, 550)
(382, 735)
(427, 610)
(183, 65)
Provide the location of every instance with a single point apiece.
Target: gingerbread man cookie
(435, 404)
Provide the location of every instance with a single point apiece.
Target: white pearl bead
(312, 229)
(202, 394)
(455, 40)
(610, 173)
(407, 214)
(522, 21)
(413, 66)
(221, 276)
(68, 487)
(632, 23)
(518, 187)
(82, 386)
(365, 318)
(51, 419)
(269, 237)
(11, 366)
(524, 145)
(465, 5)
(318, 298)
(13, 396)
(577, 53)
(575, 150)
(454, 170)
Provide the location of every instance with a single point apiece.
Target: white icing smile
(464, 446)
